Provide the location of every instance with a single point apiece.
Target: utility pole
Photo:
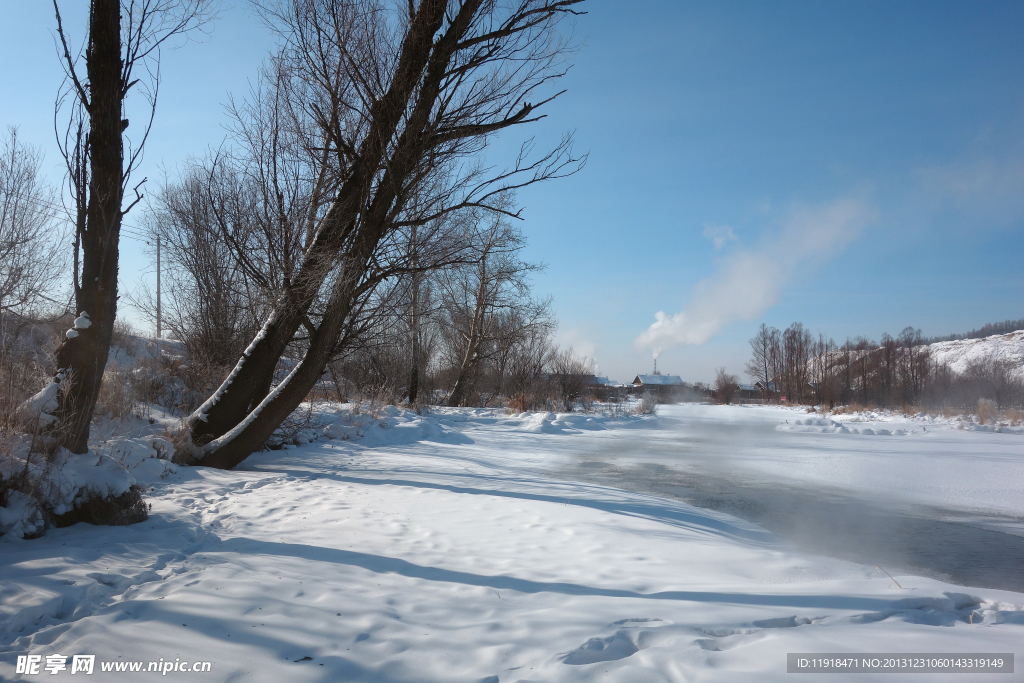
(158, 330)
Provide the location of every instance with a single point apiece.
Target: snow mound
(41, 406)
(21, 516)
(72, 479)
(998, 429)
(823, 425)
(389, 426)
(560, 423)
(40, 489)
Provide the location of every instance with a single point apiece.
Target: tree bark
(82, 356)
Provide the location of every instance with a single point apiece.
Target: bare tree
(402, 99)
(31, 258)
(210, 303)
(725, 385)
(31, 268)
(523, 367)
(763, 364)
(487, 299)
(796, 348)
(570, 372)
(124, 39)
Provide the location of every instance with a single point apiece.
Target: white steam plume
(748, 281)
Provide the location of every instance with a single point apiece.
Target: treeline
(454, 321)
(984, 331)
(898, 371)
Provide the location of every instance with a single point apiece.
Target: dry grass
(520, 404)
(986, 411)
(116, 399)
(852, 408)
(1014, 416)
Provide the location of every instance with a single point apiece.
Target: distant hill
(958, 354)
(982, 332)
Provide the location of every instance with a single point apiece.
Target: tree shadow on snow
(389, 565)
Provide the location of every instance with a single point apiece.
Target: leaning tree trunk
(246, 386)
(82, 356)
(229, 426)
(249, 435)
(256, 426)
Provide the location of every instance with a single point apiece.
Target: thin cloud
(719, 235)
(748, 281)
(983, 191)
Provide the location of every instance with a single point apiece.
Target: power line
(130, 231)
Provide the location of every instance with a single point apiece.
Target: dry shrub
(986, 411)
(116, 399)
(852, 408)
(125, 337)
(173, 382)
(324, 391)
(1014, 416)
(948, 412)
(648, 404)
(519, 404)
(200, 380)
(290, 430)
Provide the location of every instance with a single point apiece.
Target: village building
(668, 388)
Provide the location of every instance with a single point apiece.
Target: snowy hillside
(960, 354)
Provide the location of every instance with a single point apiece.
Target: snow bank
(42, 406)
(42, 488)
(21, 516)
(123, 455)
(822, 425)
(568, 423)
(385, 426)
(72, 479)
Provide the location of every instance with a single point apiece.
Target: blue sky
(856, 166)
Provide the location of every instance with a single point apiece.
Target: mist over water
(744, 467)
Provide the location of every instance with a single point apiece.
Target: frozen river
(925, 498)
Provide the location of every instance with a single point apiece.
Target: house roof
(748, 387)
(662, 380)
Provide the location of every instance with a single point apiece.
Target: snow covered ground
(444, 548)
